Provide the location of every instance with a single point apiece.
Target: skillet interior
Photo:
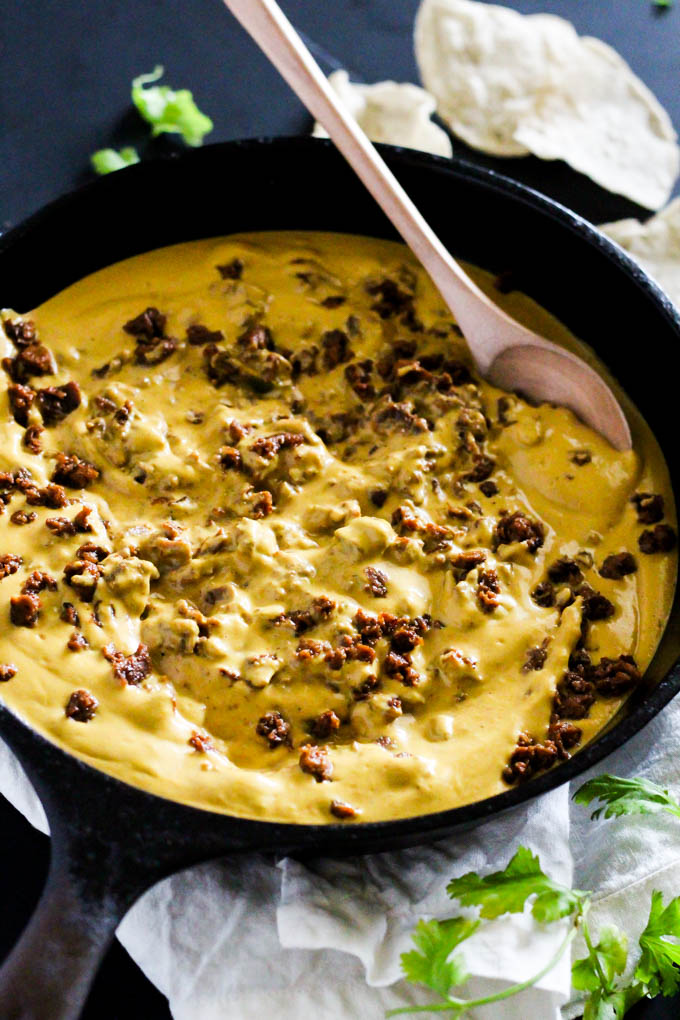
(303, 184)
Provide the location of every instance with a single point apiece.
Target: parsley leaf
(105, 161)
(168, 109)
(605, 960)
(625, 797)
(429, 964)
(506, 892)
(658, 965)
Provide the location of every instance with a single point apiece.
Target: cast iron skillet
(111, 841)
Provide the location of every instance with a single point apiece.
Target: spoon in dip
(506, 353)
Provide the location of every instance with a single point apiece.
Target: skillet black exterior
(110, 840)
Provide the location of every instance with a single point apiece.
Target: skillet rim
(640, 708)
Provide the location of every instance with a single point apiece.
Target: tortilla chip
(655, 245)
(512, 84)
(393, 113)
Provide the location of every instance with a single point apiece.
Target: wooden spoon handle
(271, 30)
(503, 349)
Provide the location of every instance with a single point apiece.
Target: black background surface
(65, 71)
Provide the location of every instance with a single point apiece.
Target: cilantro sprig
(522, 886)
(432, 964)
(506, 892)
(604, 961)
(657, 968)
(619, 796)
(598, 973)
(657, 971)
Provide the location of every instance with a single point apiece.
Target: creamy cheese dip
(269, 546)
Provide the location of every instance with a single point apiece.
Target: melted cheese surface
(241, 561)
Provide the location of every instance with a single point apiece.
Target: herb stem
(506, 993)
(591, 949)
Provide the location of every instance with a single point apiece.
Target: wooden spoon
(506, 353)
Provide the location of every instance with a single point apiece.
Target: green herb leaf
(506, 892)
(169, 110)
(105, 161)
(429, 964)
(612, 1005)
(606, 959)
(658, 966)
(625, 797)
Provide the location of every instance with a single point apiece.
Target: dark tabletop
(65, 71)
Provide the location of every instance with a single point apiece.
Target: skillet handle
(110, 842)
(49, 972)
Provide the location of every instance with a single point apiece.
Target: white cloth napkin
(230, 938)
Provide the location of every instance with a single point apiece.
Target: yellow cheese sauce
(270, 547)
